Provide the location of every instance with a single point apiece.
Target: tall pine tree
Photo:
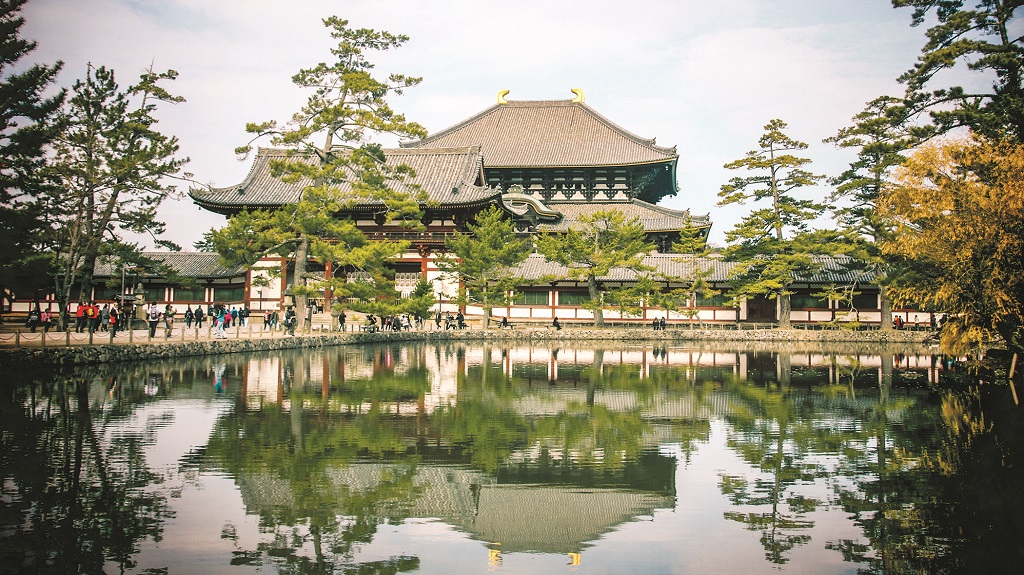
(27, 125)
(483, 259)
(114, 169)
(771, 242)
(330, 150)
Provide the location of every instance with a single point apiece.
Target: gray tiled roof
(681, 266)
(548, 133)
(438, 172)
(654, 218)
(186, 264)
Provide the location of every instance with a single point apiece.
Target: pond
(422, 458)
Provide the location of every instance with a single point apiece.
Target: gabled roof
(449, 176)
(835, 269)
(653, 218)
(186, 264)
(548, 133)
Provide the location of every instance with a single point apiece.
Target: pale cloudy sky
(703, 76)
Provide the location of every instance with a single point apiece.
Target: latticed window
(865, 301)
(572, 297)
(717, 300)
(531, 298)
(228, 294)
(189, 294)
(807, 301)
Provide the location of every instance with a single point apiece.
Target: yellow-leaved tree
(959, 241)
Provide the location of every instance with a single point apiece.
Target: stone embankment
(93, 354)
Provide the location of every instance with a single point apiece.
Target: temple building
(547, 164)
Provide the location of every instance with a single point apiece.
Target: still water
(459, 459)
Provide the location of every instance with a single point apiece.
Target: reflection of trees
(884, 491)
(770, 434)
(288, 463)
(938, 501)
(73, 501)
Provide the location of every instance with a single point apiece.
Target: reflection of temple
(540, 490)
(506, 515)
(566, 372)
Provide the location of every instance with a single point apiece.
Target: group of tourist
(450, 322)
(91, 317)
(914, 323)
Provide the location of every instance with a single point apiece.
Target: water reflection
(386, 459)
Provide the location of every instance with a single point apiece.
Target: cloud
(702, 76)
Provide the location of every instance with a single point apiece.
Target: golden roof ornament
(579, 95)
(501, 96)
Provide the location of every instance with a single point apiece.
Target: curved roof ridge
(669, 211)
(444, 132)
(549, 133)
(641, 140)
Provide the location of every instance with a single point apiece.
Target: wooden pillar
(328, 293)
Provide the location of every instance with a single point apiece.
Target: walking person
(188, 317)
(169, 313)
(112, 317)
(80, 316)
(290, 320)
(92, 315)
(223, 316)
(153, 317)
(199, 317)
(104, 317)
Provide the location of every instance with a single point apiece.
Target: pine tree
(483, 259)
(985, 38)
(330, 150)
(114, 169)
(770, 243)
(880, 135)
(602, 241)
(27, 125)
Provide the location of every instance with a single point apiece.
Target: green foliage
(985, 39)
(773, 244)
(604, 241)
(420, 301)
(113, 168)
(27, 125)
(629, 299)
(483, 259)
(881, 134)
(346, 105)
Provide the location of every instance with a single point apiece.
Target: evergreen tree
(113, 167)
(483, 259)
(881, 137)
(986, 39)
(771, 243)
(603, 241)
(27, 125)
(347, 105)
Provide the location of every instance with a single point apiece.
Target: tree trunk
(487, 308)
(785, 309)
(598, 310)
(299, 282)
(886, 305)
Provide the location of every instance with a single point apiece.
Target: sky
(702, 76)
